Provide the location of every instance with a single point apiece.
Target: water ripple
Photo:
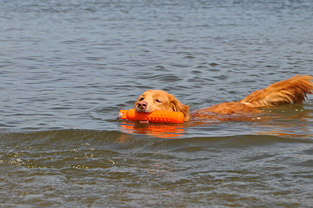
(68, 67)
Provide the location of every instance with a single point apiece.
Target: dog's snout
(142, 105)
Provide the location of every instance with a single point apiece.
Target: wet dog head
(152, 100)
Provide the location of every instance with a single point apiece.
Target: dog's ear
(177, 106)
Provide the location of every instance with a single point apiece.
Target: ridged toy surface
(154, 117)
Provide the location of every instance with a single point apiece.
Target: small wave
(61, 137)
(161, 138)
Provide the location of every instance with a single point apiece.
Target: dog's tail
(293, 90)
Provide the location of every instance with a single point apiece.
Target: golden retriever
(293, 90)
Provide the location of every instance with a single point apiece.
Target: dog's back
(290, 91)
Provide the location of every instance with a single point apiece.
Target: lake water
(68, 67)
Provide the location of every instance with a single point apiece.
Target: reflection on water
(156, 130)
(289, 121)
(68, 67)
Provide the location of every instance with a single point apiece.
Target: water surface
(68, 67)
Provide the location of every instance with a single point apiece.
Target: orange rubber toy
(154, 117)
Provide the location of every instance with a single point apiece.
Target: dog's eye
(141, 99)
(159, 101)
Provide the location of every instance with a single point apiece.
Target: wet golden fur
(161, 100)
(290, 91)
